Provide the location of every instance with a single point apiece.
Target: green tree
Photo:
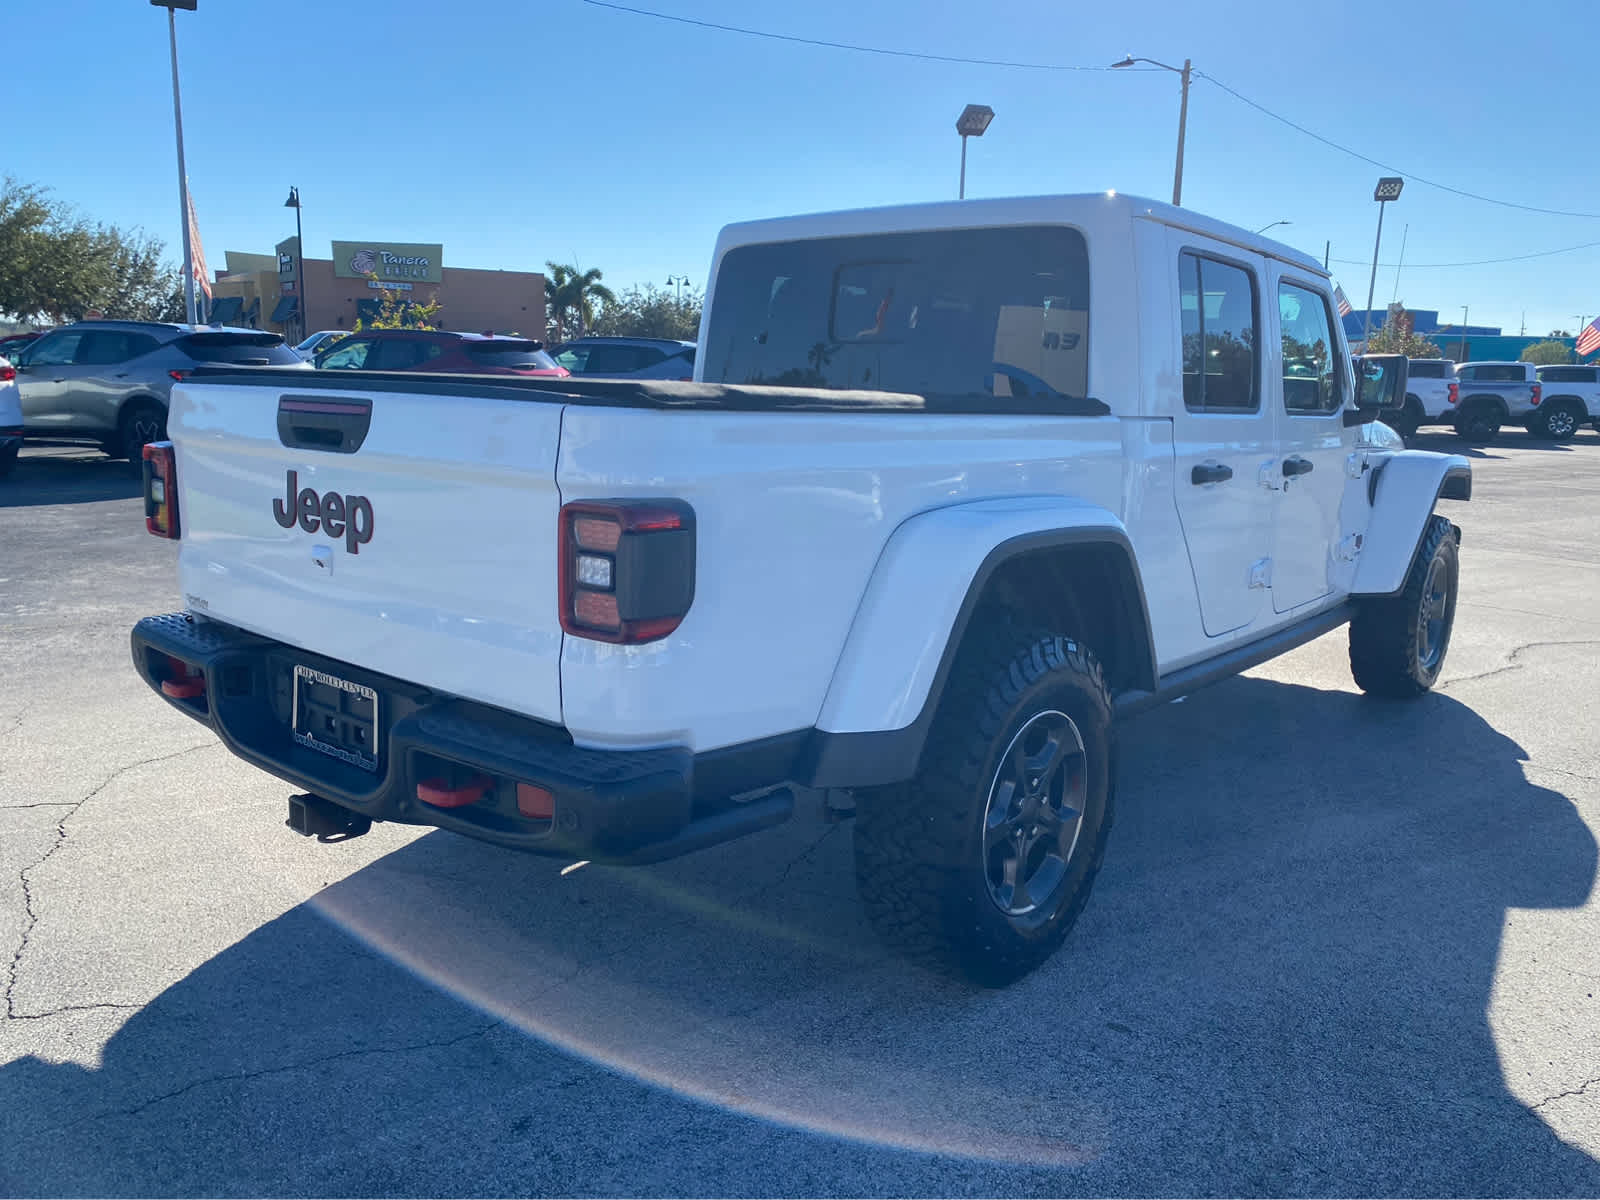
(1399, 336)
(1547, 353)
(396, 310)
(654, 312)
(571, 295)
(143, 287)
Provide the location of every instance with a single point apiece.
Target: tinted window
(241, 349)
(1311, 375)
(1426, 370)
(54, 350)
(401, 354)
(1218, 303)
(523, 356)
(1495, 373)
(104, 346)
(348, 355)
(1568, 374)
(619, 360)
(996, 313)
(573, 358)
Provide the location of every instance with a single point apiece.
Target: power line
(805, 41)
(1481, 262)
(1411, 176)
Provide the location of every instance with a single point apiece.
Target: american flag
(1339, 299)
(1589, 338)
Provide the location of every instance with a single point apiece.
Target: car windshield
(242, 349)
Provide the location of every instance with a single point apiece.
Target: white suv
(1571, 398)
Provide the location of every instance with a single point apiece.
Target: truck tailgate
(428, 553)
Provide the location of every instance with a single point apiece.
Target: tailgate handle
(315, 423)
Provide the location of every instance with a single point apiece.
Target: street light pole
(183, 175)
(962, 193)
(1463, 333)
(1185, 72)
(299, 263)
(974, 119)
(1388, 189)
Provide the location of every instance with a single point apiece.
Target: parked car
(1571, 398)
(323, 339)
(439, 350)
(1113, 456)
(1430, 396)
(108, 382)
(14, 344)
(1492, 394)
(10, 417)
(627, 358)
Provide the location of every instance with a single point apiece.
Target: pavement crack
(30, 913)
(70, 1008)
(1511, 663)
(41, 804)
(264, 1072)
(1577, 1091)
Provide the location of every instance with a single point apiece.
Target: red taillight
(1455, 392)
(7, 371)
(627, 568)
(160, 489)
(1538, 394)
(178, 376)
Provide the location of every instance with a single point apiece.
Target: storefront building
(351, 284)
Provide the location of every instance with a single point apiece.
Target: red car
(13, 343)
(440, 350)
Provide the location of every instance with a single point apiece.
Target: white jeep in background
(956, 487)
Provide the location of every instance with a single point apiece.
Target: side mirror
(1380, 386)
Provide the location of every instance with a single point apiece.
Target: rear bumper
(622, 806)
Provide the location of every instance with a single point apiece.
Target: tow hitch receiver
(324, 820)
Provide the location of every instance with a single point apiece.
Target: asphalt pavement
(1338, 947)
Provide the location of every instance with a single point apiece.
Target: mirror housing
(1380, 386)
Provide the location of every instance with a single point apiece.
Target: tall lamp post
(1184, 72)
(183, 174)
(1274, 225)
(1388, 189)
(974, 119)
(677, 283)
(299, 263)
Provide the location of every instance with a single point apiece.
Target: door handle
(1210, 473)
(1296, 466)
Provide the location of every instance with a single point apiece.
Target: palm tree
(572, 293)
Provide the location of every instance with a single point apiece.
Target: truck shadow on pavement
(1445, 442)
(1280, 986)
(64, 477)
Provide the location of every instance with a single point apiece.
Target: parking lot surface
(1338, 946)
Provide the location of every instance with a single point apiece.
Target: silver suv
(108, 382)
(627, 358)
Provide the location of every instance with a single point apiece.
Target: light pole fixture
(1185, 72)
(677, 283)
(183, 174)
(974, 119)
(1274, 225)
(1388, 189)
(299, 263)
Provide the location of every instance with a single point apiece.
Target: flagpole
(1404, 234)
(183, 175)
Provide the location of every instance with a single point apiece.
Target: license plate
(336, 717)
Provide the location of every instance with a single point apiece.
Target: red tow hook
(183, 685)
(440, 794)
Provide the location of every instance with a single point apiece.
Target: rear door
(1307, 390)
(110, 358)
(1222, 433)
(408, 533)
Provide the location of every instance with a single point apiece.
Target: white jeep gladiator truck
(955, 488)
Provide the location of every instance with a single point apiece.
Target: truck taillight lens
(1538, 394)
(627, 568)
(1455, 392)
(160, 489)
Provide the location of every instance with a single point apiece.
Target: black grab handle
(1210, 473)
(321, 423)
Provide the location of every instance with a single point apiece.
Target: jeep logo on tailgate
(346, 516)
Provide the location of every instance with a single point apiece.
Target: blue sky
(519, 132)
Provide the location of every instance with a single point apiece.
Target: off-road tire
(1478, 421)
(922, 867)
(141, 421)
(1558, 421)
(1389, 654)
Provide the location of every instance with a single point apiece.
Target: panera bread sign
(396, 262)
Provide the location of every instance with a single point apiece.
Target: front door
(46, 376)
(1222, 433)
(1319, 468)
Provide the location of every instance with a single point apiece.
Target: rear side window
(401, 354)
(1569, 374)
(106, 346)
(238, 349)
(1495, 373)
(992, 318)
(618, 360)
(1220, 357)
(1426, 370)
(521, 356)
(1311, 374)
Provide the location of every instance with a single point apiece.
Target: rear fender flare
(1404, 491)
